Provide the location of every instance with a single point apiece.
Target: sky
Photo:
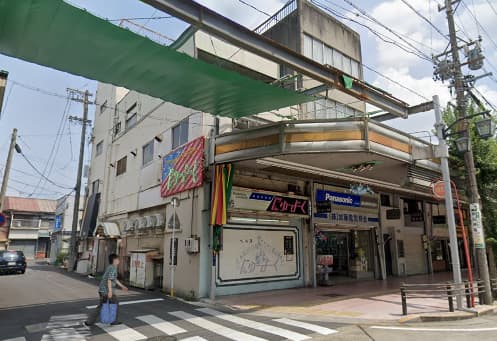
(35, 104)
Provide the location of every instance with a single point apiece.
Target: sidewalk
(365, 301)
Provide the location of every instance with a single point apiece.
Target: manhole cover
(162, 338)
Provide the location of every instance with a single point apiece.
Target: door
(340, 251)
(26, 246)
(388, 254)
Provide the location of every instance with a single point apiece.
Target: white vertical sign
(476, 226)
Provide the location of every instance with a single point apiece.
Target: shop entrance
(343, 255)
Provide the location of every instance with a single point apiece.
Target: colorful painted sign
(338, 198)
(260, 201)
(183, 168)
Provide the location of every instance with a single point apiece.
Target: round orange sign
(438, 189)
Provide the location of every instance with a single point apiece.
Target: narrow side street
(47, 304)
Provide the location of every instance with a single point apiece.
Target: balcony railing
(277, 17)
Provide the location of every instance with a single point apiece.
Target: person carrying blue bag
(108, 307)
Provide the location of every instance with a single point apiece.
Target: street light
(462, 144)
(485, 128)
(3, 84)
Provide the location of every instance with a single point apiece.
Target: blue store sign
(58, 224)
(337, 198)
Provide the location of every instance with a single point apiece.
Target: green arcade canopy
(55, 34)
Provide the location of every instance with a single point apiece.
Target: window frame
(184, 127)
(120, 170)
(99, 148)
(149, 161)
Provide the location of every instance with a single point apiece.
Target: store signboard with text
(251, 200)
(183, 168)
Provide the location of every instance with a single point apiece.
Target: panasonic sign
(339, 199)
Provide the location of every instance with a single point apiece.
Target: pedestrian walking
(107, 290)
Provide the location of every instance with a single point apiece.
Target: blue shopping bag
(108, 313)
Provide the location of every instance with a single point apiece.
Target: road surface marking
(66, 327)
(492, 329)
(164, 326)
(214, 327)
(19, 339)
(308, 326)
(193, 338)
(287, 334)
(131, 302)
(122, 332)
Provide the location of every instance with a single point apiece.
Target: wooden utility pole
(461, 87)
(83, 97)
(6, 171)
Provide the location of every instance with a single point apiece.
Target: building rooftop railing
(286, 10)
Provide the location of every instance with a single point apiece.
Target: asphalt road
(50, 305)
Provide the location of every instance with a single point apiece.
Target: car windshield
(11, 254)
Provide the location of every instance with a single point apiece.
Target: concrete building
(30, 222)
(61, 230)
(321, 193)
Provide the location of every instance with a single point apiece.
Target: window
(95, 186)
(131, 116)
(346, 65)
(355, 69)
(412, 206)
(337, 59)
(385, 200)
(180, 133)
(148, 153)
(131, 121)
(121, 166)
(117, 128)
(328, 55)
(99, 148)
(103, 106)
(317, 51)
(307, 46)
(400, 249)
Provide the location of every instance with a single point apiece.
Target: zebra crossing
(201, 324)
(212, 324)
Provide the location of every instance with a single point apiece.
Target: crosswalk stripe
(122, 332)
(131, 302)
(214, 327)
(256, 325)
(22, 338)
(164, 326)
(308, 326)
(193, 338)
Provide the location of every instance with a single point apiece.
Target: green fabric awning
(55, 34)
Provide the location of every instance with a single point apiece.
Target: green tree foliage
(485, 156)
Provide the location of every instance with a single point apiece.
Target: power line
(144, 18)
(41, 174)
(381, 36)
(478, 24)
(425, 19)
(491, 6)
(255, 8)
(364, 13)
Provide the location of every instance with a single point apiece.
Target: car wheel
(23, 271)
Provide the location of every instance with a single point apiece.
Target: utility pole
(6, 172)
(449, 204)
(78, 96)
(453, 71)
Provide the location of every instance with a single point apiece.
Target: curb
(449, 316)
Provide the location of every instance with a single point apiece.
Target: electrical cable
(491, 6)
(144, 18)
(478, 24)
(364, 13)
(381, 36)
(425, 19)
(255, 8)
(41, 174)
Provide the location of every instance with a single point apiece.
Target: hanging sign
(183, 168)
(438, 189)
(476, 226)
